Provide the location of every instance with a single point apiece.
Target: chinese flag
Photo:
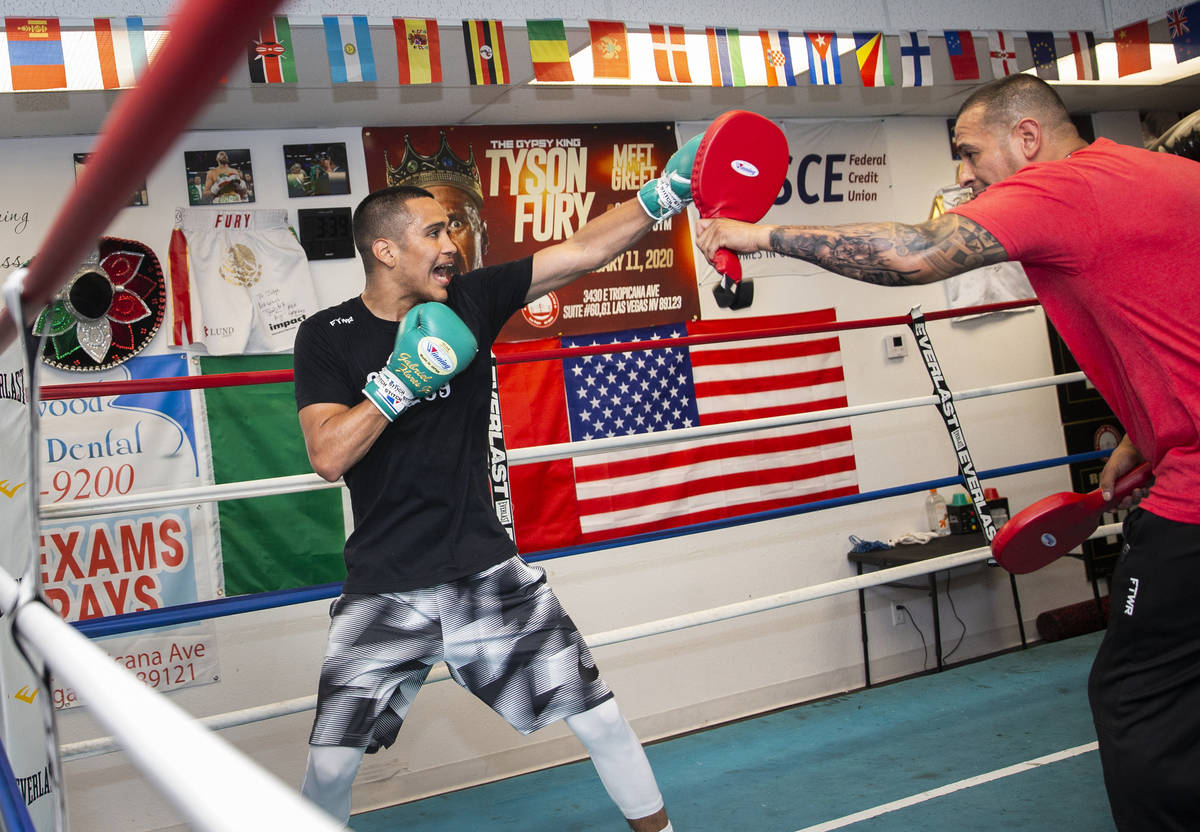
(1133, 48)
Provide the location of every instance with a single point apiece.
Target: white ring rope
(518, 456)
(563, 450)
(105, 745)
(150, 727)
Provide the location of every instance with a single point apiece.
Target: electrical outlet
(898, 613)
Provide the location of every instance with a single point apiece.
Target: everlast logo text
(35, 785)
(498, 460)
(12, 386)
(946, 400)
(498, 456)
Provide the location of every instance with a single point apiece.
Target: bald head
(1003, 103)
(1008, 124)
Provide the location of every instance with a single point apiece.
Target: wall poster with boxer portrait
(513, 189)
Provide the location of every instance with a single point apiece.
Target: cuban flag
(823, 64)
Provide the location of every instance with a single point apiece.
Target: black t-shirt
(422, 507)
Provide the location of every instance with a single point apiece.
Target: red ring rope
(206, 37)
(157, 385)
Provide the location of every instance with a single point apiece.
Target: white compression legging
(329, 775)
(610, 742)
(619, 759)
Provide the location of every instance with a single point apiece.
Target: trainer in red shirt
(1108, 237)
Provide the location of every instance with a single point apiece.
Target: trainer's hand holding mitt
(432, 346)
(670, 193)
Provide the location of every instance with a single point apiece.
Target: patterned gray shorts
(501, 632)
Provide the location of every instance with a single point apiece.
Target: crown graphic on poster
(442, 168)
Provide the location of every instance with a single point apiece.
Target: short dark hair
(1014, 97)
(379, 214)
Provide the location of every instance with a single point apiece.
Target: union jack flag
(1178, 22)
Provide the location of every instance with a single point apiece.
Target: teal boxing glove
(432, 346)
(670, 193)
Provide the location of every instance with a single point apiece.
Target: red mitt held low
(1041, 533)
(740, 166)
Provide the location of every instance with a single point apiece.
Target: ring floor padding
(813, 763)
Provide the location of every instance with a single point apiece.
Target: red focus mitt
(740, 166)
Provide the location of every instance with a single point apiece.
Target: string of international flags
(37, 60)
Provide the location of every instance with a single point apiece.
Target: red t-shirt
(1109, 238)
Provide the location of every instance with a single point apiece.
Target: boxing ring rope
(305, 482)
(206, 37)
(149, 726)
(210, 609)
(104, 745)
(217, 608)
(518, 456)
(160, 385)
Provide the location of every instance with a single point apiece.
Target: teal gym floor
(934, 753)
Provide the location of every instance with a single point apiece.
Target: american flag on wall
(620, 493)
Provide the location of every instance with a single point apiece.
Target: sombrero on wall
(108, 310)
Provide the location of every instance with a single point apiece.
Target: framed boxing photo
(140, 197)
(218, 177)
(316, 169)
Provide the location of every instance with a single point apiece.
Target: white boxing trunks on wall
(239, 281)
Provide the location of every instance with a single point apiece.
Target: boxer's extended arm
(600, 240)
(596, 243)
(337, 436)
(885, 253)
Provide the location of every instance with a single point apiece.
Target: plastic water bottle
(935, 513)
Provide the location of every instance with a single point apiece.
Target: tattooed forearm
(890, 253)
(863, 252)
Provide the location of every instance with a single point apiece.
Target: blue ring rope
(201, 610)
(13, 810)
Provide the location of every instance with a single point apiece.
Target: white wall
(666, 684)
